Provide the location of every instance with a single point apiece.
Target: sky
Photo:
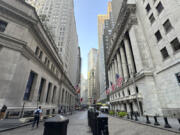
(86, 12)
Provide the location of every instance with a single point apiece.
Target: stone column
(120, 65)
(34, 93)
(109, 76)
(113, 72)
(135, 48)
(129, 57)
(116, 66)
(124, 64)
(135, 107)
(110, 73)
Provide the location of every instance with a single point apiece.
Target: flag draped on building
(112, 86)
(118, 80)
(77, 88)
(107, 91)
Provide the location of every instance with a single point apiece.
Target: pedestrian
(3, 111)
(37, 115)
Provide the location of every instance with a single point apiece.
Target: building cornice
(124, 22)
(35, 24)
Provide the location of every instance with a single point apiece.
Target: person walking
(3, 111)
(37, 115)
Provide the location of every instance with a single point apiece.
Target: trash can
(56, 125)
(102, 125)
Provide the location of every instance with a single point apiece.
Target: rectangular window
(151, 18)
(54, 94)
(48, 92)
(158, 35)
(30, 85)
(164, 53)
(3, 26)
(45, 61)
(40, 55)
(41, 89)
(148, 8)
(167, 26)
(178, 77)
(175, 44)
(159, 7)
(37, 51)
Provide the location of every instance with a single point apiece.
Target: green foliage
(111, 112)
(122, 114)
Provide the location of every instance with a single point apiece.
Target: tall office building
(101, 75)
(92, 60)
(84, 89)
(58, 16)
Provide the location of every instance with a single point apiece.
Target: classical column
(129, 57)
(120, 65)
(113, 72)
(135, 48)
(124, 64)
(110, 73)
(116, 65)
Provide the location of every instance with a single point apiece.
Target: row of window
(31, 85)
(175, 44)
(3, 25)
(39, 54)
(159, 8)
(116, 95)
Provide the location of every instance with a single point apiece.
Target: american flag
(77, 89)
(112, 86)
(118, 80)
(107, 91)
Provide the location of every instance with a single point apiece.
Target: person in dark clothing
(37, 115)
(3, 111)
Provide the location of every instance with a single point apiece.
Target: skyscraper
(92, 60)
(101, 66)
(58, 16)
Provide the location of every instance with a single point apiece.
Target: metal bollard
(156, 123)
(102, 125)
(166, 123)
(94, 122)
(56, 125)
(131, 116)
(127, 116)
(147, 120)
(136, 118)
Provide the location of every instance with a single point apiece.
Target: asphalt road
(78, 126)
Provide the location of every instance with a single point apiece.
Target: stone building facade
(58, 16)
(31, 71)
(145, 51)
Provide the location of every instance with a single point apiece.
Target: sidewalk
(8, 124)
(175, 126)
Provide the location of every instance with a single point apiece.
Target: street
(78, 126)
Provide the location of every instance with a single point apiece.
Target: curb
(18, 126)
(150, 125)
